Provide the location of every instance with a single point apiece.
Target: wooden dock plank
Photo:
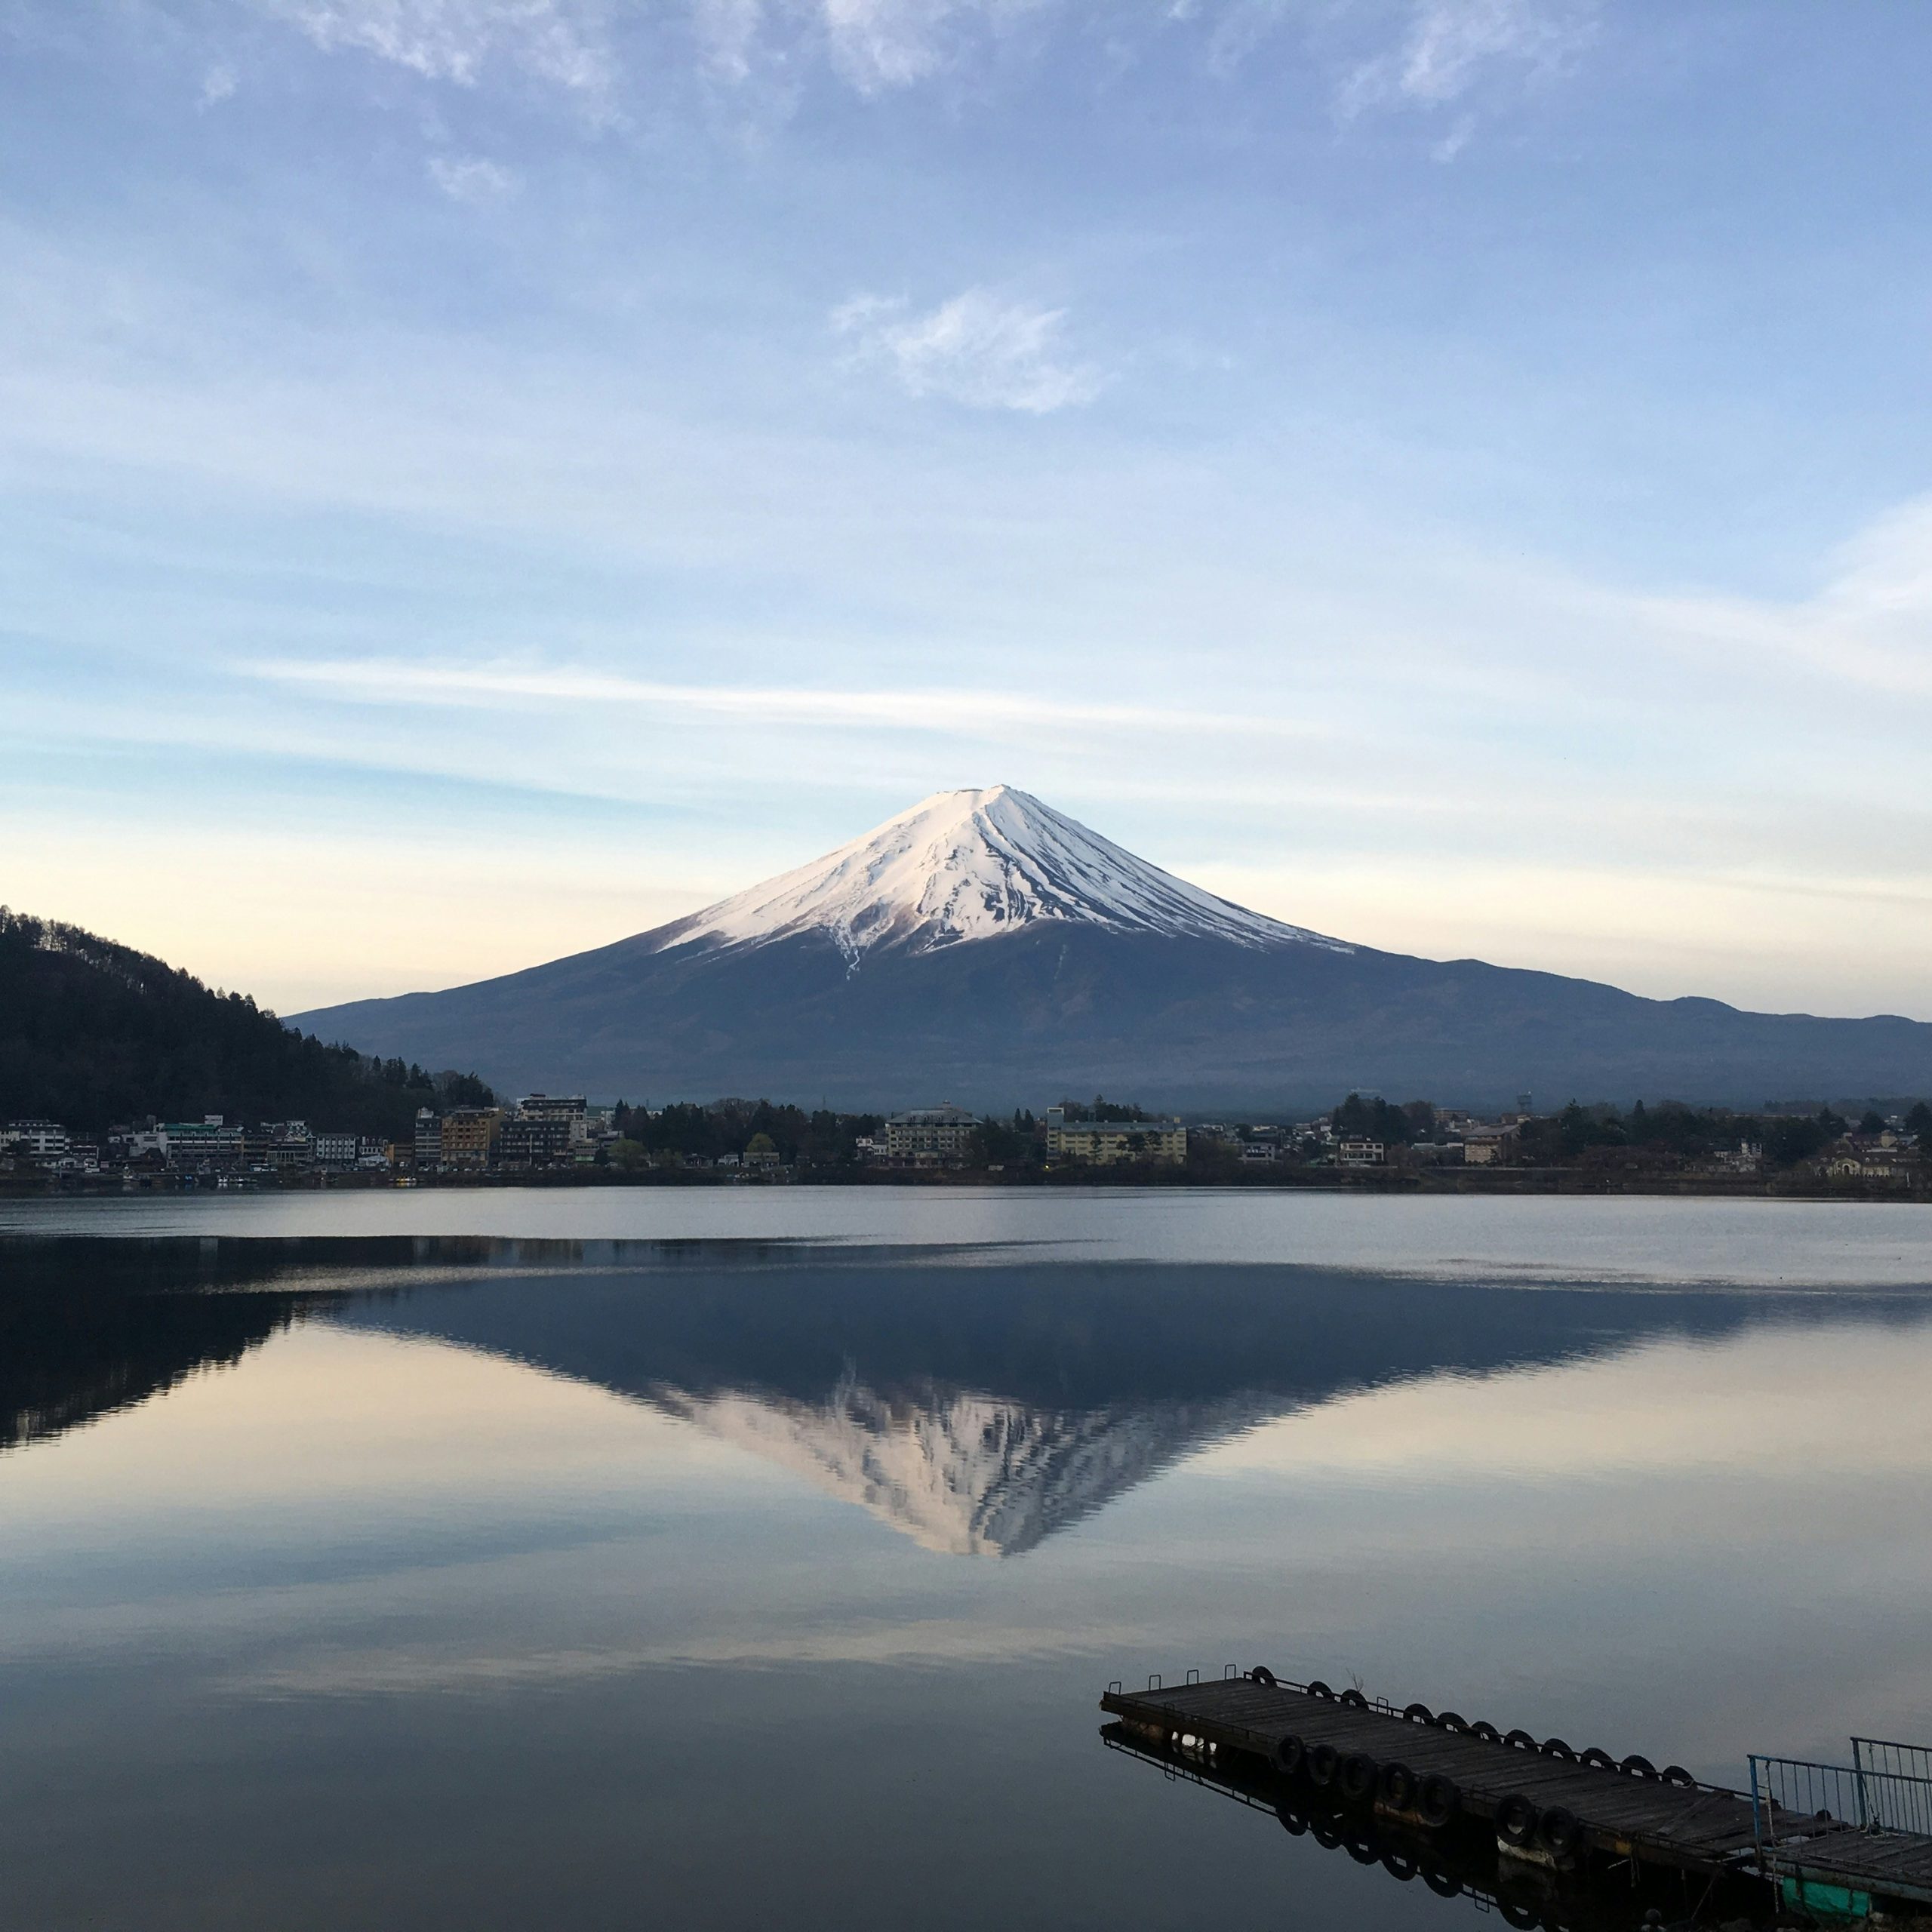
(1701, 1825)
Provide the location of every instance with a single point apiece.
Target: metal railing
(1885, 1756)
(1793, 1797)
(1896, 1780)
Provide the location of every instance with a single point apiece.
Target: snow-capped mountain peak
(971, 865)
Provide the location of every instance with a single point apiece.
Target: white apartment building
(570, 1109)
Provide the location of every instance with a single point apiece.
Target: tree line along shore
(117, 1070)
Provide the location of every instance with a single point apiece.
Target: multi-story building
(209, 1141)
(1361, 1153)
(1488, 1146)
(287, 1145)
(338, 1150)
(38, 1140)
(1104, 1143)
(523, 1142)
(429, 1141)
(470, 1138)
(930, 1136)
(137, 1145)
(568, 1108)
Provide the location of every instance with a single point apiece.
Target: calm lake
(758, 1557)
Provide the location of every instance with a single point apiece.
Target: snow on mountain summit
(970, 865)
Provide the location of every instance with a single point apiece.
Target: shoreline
(1478, 1183)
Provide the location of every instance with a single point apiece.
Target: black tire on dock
(1395, 1785)
(1323, 1761)
(1361, 1850)
(1597, 1759)
(1325, 1832)
(1353, 1698)
(1319, 1689)
(1520, 1740)
(1439, 1801)
(1561, 1831)
(1638, 1766)
(1451, 1720)
(1516, 1819)
(1418, 1714)
(1441, 1883)
(1289, 1752)
(1487, 1731)
(1291, 1821)
(1555, 1747)
(1261, 1673)
(1356, 1779)
(1399, 1866)
(1676, 1774)
(1525, 1917)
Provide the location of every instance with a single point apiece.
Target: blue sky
(481, 477)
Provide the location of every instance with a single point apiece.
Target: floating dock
(1551, 1803)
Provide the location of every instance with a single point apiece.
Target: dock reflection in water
(1462, 1861)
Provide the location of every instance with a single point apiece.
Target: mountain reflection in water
(402, 1600)
(977, 1403)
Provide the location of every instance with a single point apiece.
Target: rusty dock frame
(1548, 1802)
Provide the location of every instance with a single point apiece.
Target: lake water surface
(744, 1557)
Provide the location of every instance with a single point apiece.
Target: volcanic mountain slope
(965, 865)
(985, 948)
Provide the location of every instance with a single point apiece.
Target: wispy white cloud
(470, 178)
(1869, 625)
(1455, 140)
(978, 349)
(218, 85)
(880, 44)
(874, 45)
(728, 33)
(562, 42)
(598, 49)
(1451, 46)
(951, 711)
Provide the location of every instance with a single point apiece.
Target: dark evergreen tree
(93, 1033)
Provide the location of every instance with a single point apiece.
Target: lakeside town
(1797, 1147)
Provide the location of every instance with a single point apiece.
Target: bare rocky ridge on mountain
(984, 948)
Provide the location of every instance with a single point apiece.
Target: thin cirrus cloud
(1869, 626)
(1437, 52)
(559, 41)
(1451, 45)
(979, 349)
(950, 710)
(470, 178)
(219, 84)
(874, 46)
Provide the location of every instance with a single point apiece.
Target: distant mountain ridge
(985, 948)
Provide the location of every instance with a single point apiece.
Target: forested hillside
(92, 1033)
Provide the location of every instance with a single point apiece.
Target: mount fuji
(984, 947)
